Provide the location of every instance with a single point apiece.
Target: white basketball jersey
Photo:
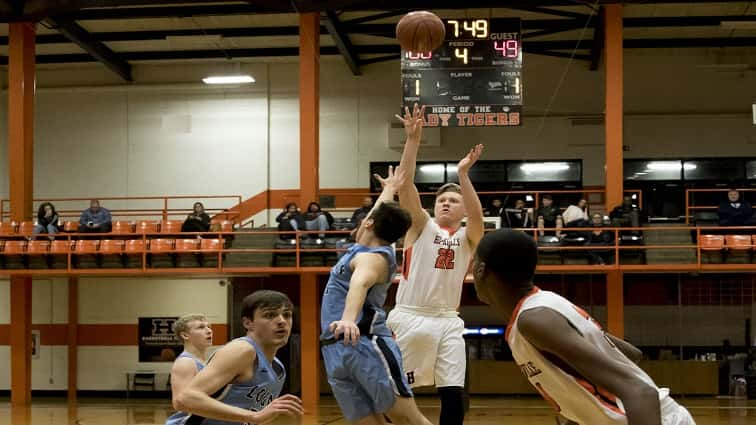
(569, 393)
(434, 269)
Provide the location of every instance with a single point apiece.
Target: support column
(614, 142)
(614, 105)
(72, 336)
(310, 355)
(21, 82)
(309, 116)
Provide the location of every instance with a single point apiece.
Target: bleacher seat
(13, 254)
(7, 228)
(218, 225)
(161, 252)
(60, 247)
(170, 226)
(86, 253)
(26, 228)
(71, 226)
(210, 248)
(122, 227)
(739, 248)
(133, 252)
(36, 254)
(549, 256)
(111, 253)
(14, 247)
(146, 226)
(712, 247)
(38, 247)
(187, 252)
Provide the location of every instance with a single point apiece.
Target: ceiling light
(432, 168)
(542, 167)
(663, 166)
(229, 79)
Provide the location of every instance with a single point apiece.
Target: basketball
(420, 31)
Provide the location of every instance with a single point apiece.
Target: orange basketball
(420, 32)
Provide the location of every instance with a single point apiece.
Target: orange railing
(157, 207)
(691, 209)
(216, 252)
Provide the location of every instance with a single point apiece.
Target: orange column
(21, 83)
(614, 176)
(72, 335)
(309, 116)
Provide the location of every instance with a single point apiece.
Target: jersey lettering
(445, 259)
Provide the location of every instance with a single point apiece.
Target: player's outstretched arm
(228, 363)
(550, 332)
(182, 372)
(390, 184)
(368, 269)
(629, 350)
(470, 198)
(409, 198)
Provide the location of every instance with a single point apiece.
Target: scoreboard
(473, 80)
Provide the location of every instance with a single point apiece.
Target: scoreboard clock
(473, 80)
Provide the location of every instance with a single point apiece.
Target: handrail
(165, 211)
(299, 252)
(689, 207)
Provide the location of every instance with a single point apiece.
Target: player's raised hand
(289, 405)
(470, 159)
(348, 328)
(413, 123)
(395, 179)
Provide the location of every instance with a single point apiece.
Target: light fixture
(541, 167)
(663, 165)
(432, 168)
(229, 79)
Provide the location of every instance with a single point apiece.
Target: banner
(157, 341)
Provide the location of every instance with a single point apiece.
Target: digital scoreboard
(473, 80)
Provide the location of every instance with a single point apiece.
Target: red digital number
(445, 259)
(419, 56)
(508, 48)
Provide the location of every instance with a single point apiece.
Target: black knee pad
(453, 405)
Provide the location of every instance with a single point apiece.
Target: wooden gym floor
(484, 411)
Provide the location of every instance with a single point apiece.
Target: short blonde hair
(182, 324)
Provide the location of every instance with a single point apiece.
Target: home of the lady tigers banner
(472, 116)
(157, 341)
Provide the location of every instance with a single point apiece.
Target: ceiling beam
(598, 41)
(101, 52)
(341, 39)
(547, 11)
(536, 47)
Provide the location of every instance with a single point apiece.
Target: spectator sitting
(600, 237)
(576, 215)
(197, 221)
(362, 212)
(317, 219)
(290, 220)
(519, 216)
(626, 215)
(95, 219)
(735, 212)
(548, 211)
(496, 209)
(47, 220)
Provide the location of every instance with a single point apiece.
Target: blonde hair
(182, 324)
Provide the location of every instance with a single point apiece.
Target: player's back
(570, 393)
(179, 418)
(372, 318)
(254, 394)
(434, 269)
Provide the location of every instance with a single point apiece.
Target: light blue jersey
(365, 378)
(372, 319)
(255, 394)
(180, 417)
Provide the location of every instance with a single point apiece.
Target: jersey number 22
(445, 259)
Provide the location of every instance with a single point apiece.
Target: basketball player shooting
(437, 255)
(586, 374)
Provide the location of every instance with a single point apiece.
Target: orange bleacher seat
(171, 226)
(60, 247)
(7, 228)
(122, 227)
(14, 247)
(712, 242)
(134, 246)
(161, 245)
(38, 247)
(145, 226)
(211, 244)
(85, 247)
(221, 225)
(26, 228)
(738, 242)
(71, 226)
(109, 246)
(187, 244)
(753, 241)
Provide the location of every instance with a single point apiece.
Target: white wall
(107, 301)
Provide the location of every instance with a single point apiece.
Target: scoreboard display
(473, 80)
